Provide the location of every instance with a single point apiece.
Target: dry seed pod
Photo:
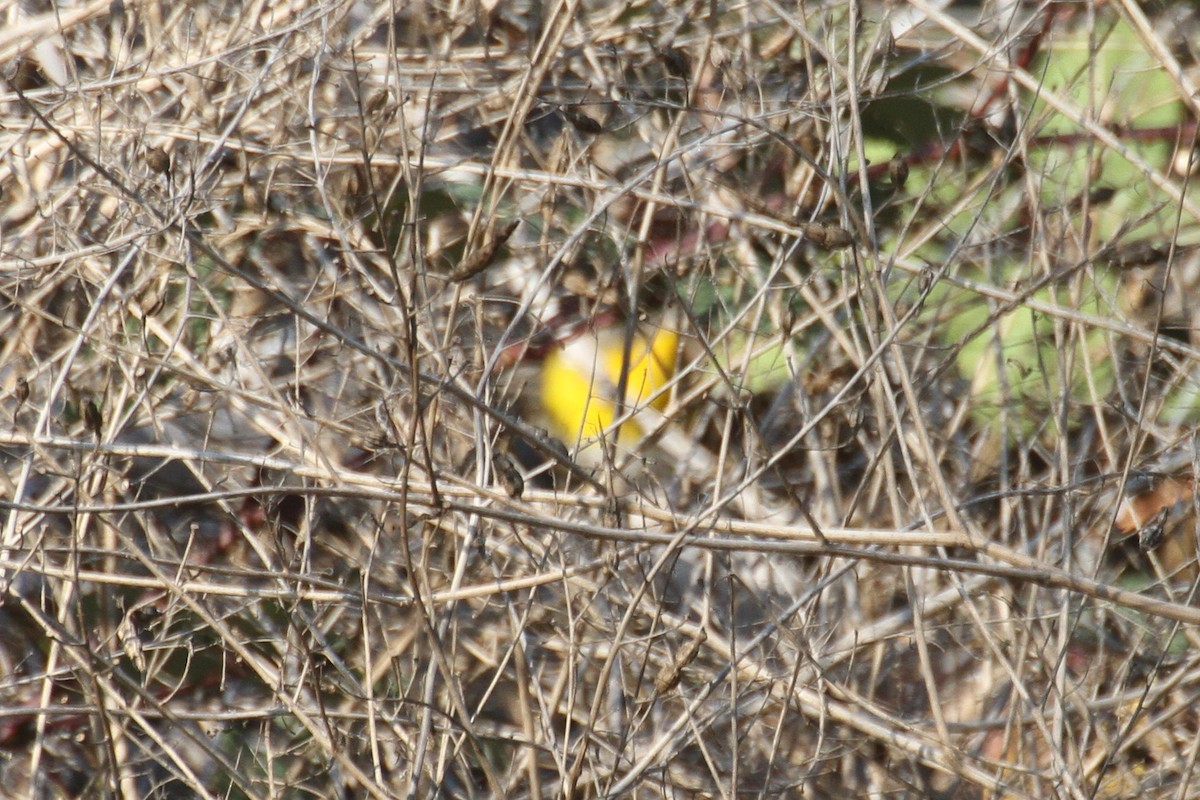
(1138, 254)
(508, 475)
(669, 677)
(479, 260)
(158, 160)
(925, 279)
(675, 60)
(544, 439)
(898, 171)
(131, 642)
(1150, 535)
(21, 392)
(377, 101)
(828, 236)
(92, 417)
(582, 122)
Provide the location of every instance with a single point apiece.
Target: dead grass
(916, 520)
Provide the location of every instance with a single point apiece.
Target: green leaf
(1120, 84)
(1028, 363)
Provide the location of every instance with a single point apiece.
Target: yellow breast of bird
(580, 380)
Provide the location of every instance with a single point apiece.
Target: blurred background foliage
(910, 512)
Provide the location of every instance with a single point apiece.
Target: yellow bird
(580, 380)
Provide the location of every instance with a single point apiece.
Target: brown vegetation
(915, 516)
